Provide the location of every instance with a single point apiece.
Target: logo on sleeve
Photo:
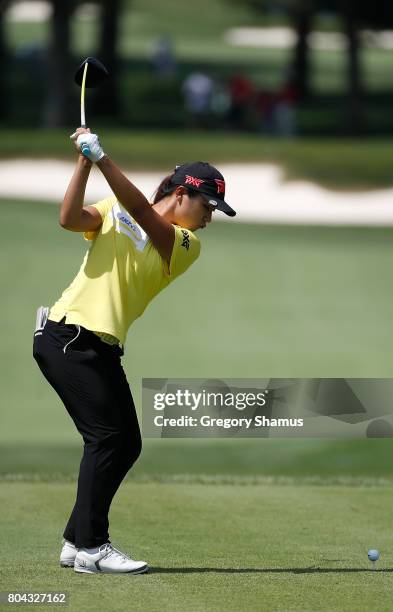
(186, 239)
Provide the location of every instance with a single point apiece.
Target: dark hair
(166, 187)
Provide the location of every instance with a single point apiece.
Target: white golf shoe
(68, 554)
(108, 560)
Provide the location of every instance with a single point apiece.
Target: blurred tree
(355, 14)
(355, 117)
(107, 97)
(358, 14)
(300, 13)
(60, 73)
(60, 68)
(3, 61)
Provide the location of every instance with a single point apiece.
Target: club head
(96, 72)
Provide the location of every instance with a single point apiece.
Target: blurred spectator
(285, 111)
(241, 92)
(221, 100)
(197, 90)
(276, 112)
(265, 104)
(32, 52)
(163, 57)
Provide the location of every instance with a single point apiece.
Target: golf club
(90, 73)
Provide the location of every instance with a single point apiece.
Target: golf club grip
(85, 149)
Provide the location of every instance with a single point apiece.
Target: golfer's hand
(74, 136)
(79, 130)
(89, 144)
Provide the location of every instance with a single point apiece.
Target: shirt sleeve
(103, 207)
(186, 250)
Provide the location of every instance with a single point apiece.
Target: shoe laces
(109, 549)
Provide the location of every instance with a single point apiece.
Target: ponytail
(165, 188)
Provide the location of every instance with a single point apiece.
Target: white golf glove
(90, 146)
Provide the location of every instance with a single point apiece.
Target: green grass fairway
(283, 302)
(221, 547)
(225, 524)
(311, 460)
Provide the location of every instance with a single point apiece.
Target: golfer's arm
(160, 231)
(73, 216)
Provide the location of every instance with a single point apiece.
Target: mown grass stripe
(209, 479)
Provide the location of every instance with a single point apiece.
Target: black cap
(205, 178)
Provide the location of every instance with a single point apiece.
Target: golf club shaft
(85, 148)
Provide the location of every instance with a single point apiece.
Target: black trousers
(88, 376)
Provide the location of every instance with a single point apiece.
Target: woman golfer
(137, 249)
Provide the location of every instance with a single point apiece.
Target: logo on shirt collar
(186, 239)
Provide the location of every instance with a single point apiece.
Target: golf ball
(373, 554)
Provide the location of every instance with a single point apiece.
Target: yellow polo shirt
(121, 273)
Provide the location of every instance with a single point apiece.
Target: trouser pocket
(53, 339)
